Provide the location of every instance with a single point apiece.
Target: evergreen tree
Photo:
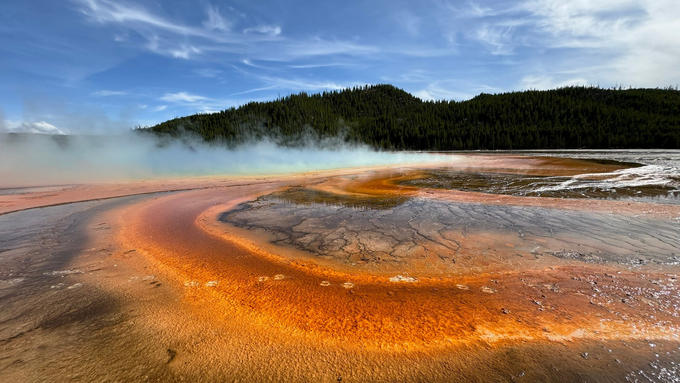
(386, 117)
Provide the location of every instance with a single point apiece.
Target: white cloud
(183, 51)
(41, 127)
(637, 39)
(253, 90)
(164, 36)
(250, 63)
(104, 11)
(408, 21)
(208, 72)
(302, 85)
(413, 76)
(322, 65)
(542, 82)
(498, 39)
(215, 36)
(105, 93)
(435, 91)
(473, 10)
(321, 47)
(215, 20)
(271, 30)
(604, 41)
(451, 90)
(198, 103)
(602, 18)
(183, 97)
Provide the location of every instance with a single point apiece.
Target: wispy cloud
(178, 39)
(408, 21)
(498, 39)
(549, 82)
(253, 90)
(184, 51)
(166, 36)
(304, 85)
(183, 97)
(208, 72)
(411, 77)
(215, 19)
(435, 91)
(105, 93)
(106, 11)
(638, 36)
(457, 90)
(294, 85)
(609, 41)
(251, 64)
(197, 103)
(322, 47)
(41, 127)
(272, 30)
(476, 10)
(159, 108)
(321, 65)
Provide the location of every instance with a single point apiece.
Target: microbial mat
(480, 267)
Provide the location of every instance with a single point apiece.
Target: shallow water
(645, 183)
(312, 197)
(659, 173)
(462, 236)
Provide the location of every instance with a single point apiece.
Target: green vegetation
(386, 117)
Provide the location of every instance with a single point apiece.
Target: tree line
(389, 118)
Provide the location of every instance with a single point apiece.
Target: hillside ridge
(386, 117)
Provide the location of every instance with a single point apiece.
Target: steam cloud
(34, 159)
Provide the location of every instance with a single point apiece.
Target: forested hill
(389, 118)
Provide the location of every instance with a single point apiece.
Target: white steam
(34, 159)
(3, 123)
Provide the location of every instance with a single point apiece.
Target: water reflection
(457, 236)
(310, 197)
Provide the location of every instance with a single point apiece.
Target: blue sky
(104, 66)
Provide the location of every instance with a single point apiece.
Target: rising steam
(34, 159)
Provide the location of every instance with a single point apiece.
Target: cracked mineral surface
(460, 236)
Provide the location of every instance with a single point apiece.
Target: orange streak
(375, 313)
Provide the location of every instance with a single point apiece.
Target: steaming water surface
(462, 236)
(658, 175)
(397, 230)
(34, 159)
(647, 176)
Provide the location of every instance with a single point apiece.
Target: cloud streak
(175, 38)
(106, 93)
(271, 30)
(215, 19)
